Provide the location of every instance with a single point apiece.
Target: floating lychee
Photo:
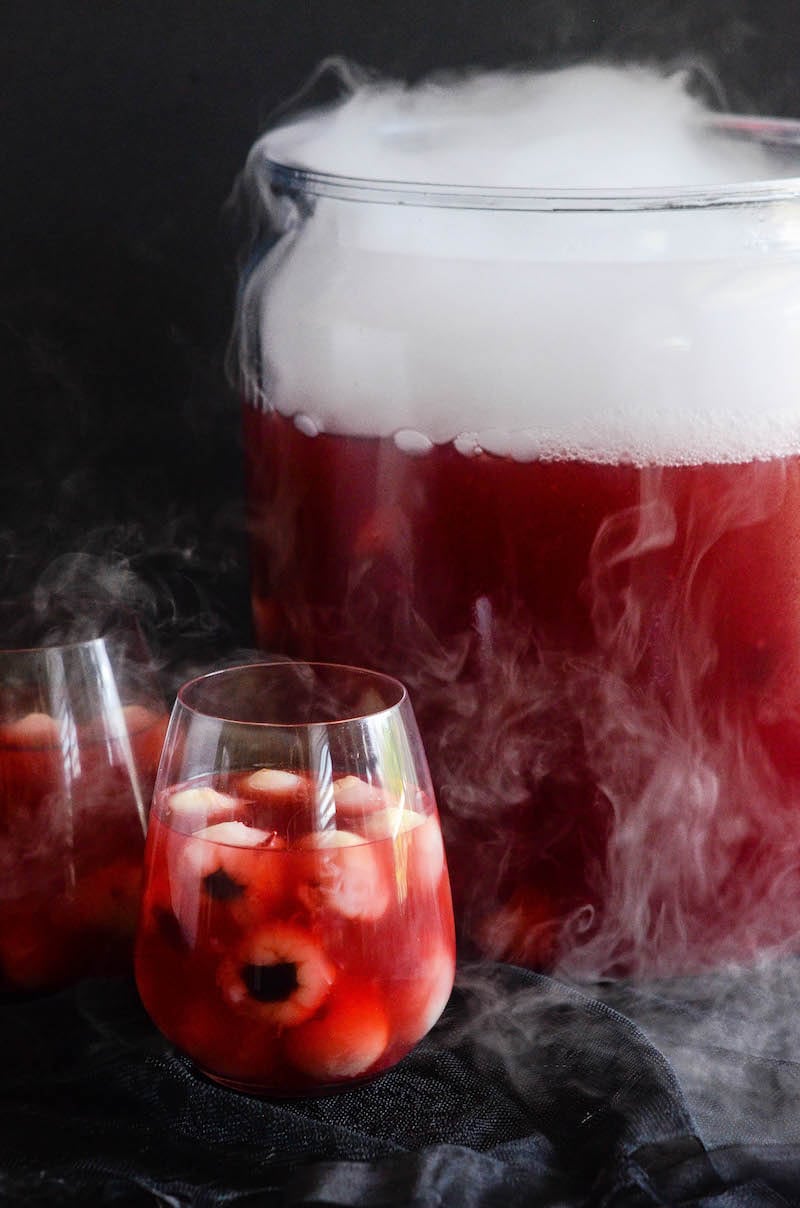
(342, 874)
(192, 808)
(347, 1036)
(418, 1001)
(277, 798)
(421, 832)
(279, 974)
(356, 799)
(276, 785)
(32, 730)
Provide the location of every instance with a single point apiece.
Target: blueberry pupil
(222, 887)
(270, 983)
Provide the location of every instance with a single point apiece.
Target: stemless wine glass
(296, 932)
(81, 729)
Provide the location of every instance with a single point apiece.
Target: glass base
(306, 1092)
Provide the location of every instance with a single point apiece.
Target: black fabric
(528, 1093)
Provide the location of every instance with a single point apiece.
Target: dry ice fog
(529, 274)
(526, 336)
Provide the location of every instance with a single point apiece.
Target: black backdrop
(124, 124)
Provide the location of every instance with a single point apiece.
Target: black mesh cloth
(528, 1093)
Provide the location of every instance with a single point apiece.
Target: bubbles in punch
(519, 363)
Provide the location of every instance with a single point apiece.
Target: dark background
(124, 126)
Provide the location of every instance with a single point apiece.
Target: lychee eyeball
(279, 975)
(224, 876)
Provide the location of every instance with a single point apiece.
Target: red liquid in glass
(279, 961)
(605, 664)
(71, 847)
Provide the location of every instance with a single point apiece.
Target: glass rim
(54, 647)
(399, 688)
(283, 176)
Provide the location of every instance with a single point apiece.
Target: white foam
(645, 335)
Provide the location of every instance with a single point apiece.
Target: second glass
(81, 727)
(297, 928)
